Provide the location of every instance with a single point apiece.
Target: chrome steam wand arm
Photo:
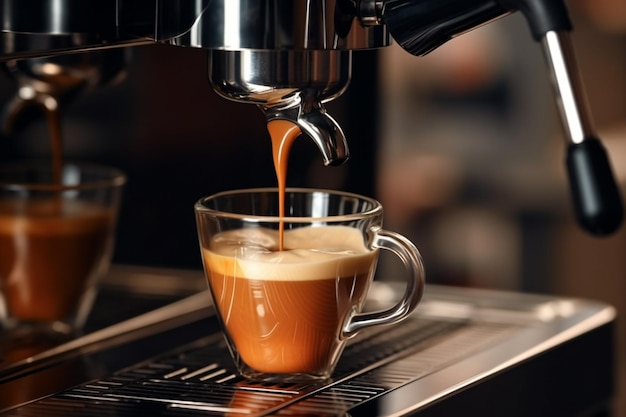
(595, 193)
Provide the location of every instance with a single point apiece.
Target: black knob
(596, 197)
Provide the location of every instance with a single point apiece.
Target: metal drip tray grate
(200, 378)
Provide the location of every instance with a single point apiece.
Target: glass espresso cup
(56, 241)
(288, 312)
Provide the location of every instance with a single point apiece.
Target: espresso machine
(290, 58)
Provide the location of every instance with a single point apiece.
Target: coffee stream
(283, 133)
(56, 143)
(283, 297)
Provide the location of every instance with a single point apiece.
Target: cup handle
(412, 260)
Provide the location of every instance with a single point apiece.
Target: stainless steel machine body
(291, 56)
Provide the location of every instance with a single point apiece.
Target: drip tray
(173, 362)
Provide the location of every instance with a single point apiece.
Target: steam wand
(596, 197)
(420, 26)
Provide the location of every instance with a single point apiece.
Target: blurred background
(463, 147)
(471, 164)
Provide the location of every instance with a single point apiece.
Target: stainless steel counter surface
(127, 292)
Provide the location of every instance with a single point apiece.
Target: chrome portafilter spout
(312, 118)
(288, 85)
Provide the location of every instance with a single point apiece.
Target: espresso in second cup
(48, 250)
(284, 310)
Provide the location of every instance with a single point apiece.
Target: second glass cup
(288, 304)
(56, 241)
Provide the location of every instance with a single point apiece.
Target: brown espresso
(282, 133)
(47, 253)
(53, 117)
(284, 311)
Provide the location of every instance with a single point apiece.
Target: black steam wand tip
(596, 197)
